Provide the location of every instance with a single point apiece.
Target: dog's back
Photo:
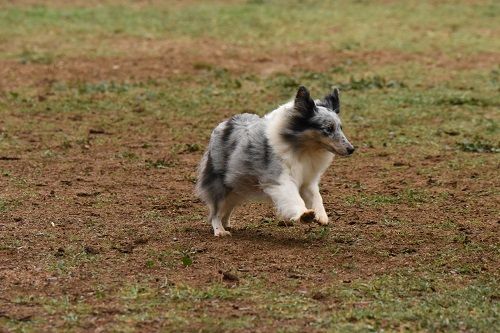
(238, 158)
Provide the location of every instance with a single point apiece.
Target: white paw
(221, 233)
(322, 219)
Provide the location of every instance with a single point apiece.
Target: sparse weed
(318, 233)
(159, 164)
(3, 205)
(102, 87)
(128, 155)
(465, 100)
(478, 146)
(374, 82)
(33, 57)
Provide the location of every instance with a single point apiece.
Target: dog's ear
(332, 100)
(303, 102)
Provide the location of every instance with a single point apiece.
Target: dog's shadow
(273, 238)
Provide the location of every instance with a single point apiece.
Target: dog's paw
(308, 216)
(221, 233)
(322, 219)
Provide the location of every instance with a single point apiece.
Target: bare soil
(161, 58)
(119, 210)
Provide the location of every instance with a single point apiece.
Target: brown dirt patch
(90, 200)
(160, 59)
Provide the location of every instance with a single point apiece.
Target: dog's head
(317, 123)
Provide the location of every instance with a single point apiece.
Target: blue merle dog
(280, 156)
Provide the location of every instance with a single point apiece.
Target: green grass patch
(345, 25)
(478, 146)
(3, 205)
(414, 303)
(33, 57)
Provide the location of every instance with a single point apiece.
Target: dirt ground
(159, 59)
(87, 199)
(94, 202)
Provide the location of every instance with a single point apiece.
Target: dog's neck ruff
(277, 122)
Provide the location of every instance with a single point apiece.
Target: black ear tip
(302, 92)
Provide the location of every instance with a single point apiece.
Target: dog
(280, 156)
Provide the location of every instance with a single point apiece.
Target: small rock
(96, 131)
(295, 276)
(139, 109)
(140, 241)
(59, 252)
(91, 250)
(318, 296)
(452, 132)
(284, 223)
(242, 269)
(126, 248)
(87, 194)
(409, 250)
(228, 276)
(200, 250)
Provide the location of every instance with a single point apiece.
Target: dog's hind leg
(226, 219)
(230, 203)
(219, 230)
(217, 214)
(214, 192)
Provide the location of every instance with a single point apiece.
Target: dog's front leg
(313, 199)
(288, 201)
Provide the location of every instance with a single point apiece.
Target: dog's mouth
(331, 149)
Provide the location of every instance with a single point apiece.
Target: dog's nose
(350, 150)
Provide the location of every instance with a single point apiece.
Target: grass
(415, 107)
(403, 302)
(3, 205)
(478, 146)
(414, 247)
(350, 26)
(388, 302)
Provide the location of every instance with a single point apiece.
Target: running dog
(280, 156)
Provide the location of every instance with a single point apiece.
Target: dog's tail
(199, 190)
(210, 186)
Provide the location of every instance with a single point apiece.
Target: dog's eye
(331, 128)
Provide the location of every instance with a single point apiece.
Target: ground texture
(106, 107)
